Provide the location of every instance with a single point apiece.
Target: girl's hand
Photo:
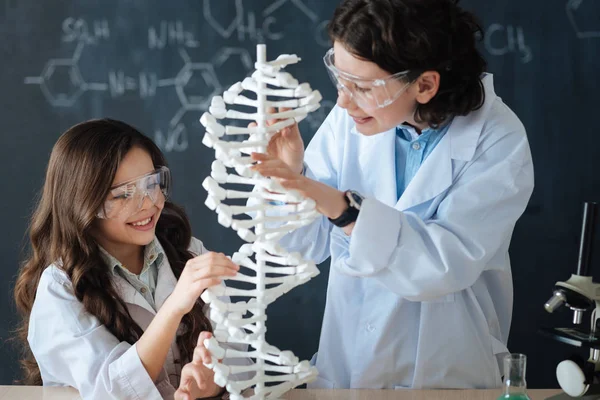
(197, 381)
(199, 274)
(330, 202)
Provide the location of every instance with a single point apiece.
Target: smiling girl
(110, 293)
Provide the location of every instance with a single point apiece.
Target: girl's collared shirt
(145, 282)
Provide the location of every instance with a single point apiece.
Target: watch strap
(349, 216)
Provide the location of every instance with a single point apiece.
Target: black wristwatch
(350, 215)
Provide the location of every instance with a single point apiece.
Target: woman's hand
(287, 144)
(199, 274)
(197, 381)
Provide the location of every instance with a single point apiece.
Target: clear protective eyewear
(368, 94)
(127, 198)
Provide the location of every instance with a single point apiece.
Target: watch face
(355, 198)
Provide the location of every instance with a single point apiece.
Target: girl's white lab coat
(420, 295)
(72, 348)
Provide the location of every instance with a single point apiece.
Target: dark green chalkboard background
(155, 64)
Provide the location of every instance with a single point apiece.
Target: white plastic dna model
(275, 212)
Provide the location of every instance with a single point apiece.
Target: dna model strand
(265, 266)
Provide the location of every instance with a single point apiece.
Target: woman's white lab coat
(72, 348)
(420, 295)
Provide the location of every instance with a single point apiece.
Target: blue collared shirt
(411, 151)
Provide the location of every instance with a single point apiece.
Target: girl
(421, 172)
(110, 294)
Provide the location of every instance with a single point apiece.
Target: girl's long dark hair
(80, 172)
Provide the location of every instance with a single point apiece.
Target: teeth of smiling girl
(144, 222)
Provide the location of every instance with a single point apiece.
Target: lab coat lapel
(459, 143)
(376, 155)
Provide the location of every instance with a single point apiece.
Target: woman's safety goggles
(368, 94)
(127, 198)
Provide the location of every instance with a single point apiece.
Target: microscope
(579, 293)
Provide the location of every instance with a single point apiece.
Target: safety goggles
(368, 94)
(127, 198)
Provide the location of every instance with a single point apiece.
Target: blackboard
(157, 64)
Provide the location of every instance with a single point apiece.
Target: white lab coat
(72, 348)
(420, 295)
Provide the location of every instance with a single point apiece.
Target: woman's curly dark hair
(80, 172)
(418, 35)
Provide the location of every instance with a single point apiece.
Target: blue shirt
(411, 151)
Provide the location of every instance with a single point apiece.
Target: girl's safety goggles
(127, 198)
(368, 94)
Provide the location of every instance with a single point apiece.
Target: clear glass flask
(515, 386)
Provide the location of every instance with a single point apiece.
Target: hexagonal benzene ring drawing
(230, 62)
(61, 82)
(584, 16)
(196, 84)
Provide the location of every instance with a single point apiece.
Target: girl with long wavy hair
(110, 292)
